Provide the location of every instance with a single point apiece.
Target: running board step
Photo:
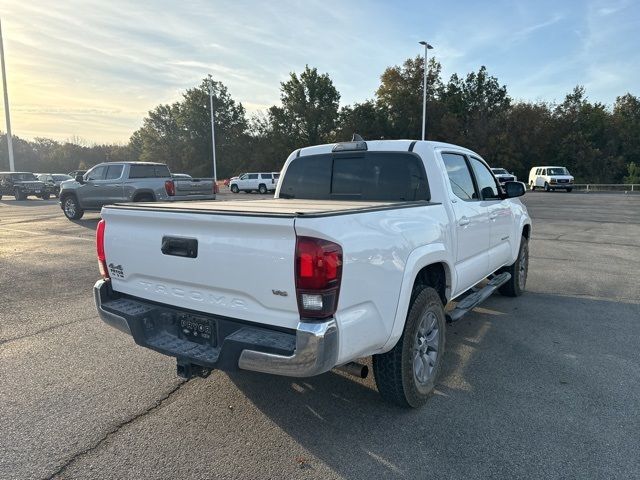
(476, 298)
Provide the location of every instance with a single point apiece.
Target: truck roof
(131, 163)
(384, 145)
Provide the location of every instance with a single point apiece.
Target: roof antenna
(357, 138)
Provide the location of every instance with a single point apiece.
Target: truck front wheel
(71, 208)
(518, 270)
(234, 189)
(406, 375)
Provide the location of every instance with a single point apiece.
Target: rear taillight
(170, 187)
(318, 276)
(102, 259)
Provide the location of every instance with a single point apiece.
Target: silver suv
(109, 183)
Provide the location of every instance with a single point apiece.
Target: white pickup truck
(358, 254)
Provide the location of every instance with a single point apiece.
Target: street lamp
(12, 167)
(427, 47)
(213, 134)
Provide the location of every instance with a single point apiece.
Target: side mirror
(514, 189)
(79, 179)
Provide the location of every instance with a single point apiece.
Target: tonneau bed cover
(279, 207)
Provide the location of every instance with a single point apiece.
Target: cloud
(94, 69)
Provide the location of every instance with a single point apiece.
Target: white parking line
(43, 233)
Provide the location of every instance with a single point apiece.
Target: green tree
(633, 173)
(400, 97)
(309, 109)
(364, 118)
(180, 134)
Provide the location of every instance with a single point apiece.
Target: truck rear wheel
(406, 375)
(518, 270)
(262, 189)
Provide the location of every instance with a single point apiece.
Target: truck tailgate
(243, 269)
(196, 186)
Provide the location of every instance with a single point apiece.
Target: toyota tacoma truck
(359, 252)
(114, 182)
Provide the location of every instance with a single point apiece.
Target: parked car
(23, 185)
(550, 178)
(75, 173)
(113, 182)
(503, 175)
(263, 182)
(53, 181)
(358, 254)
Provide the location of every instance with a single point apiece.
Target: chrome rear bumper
(316, 352)
(310, 350)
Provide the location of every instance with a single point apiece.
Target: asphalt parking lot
(546, 385)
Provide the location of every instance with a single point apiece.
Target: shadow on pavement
(526, 388)
(31, 202)
(90, 223)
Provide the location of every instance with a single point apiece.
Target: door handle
(180, 247)
(463, 221)
(493, 216)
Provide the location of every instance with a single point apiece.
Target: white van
(263, 182)
(550, 178)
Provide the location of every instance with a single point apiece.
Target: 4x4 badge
(116, 270)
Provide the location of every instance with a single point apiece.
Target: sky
(91, 70)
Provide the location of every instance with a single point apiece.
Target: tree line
(598, 143)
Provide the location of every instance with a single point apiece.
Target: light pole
(12, 166)
(427, 47)
(213, 133)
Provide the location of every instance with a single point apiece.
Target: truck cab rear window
(370, 176)
(149, 171)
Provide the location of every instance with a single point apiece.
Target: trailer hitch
(188, 370)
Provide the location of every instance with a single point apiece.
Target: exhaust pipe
(355, 369)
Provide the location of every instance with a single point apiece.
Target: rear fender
(418, 259)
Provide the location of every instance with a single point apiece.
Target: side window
(486, 182)
(459, 176)
(97, 173)
(543, 171)
(538, 170)
(149, 171)
(114, 172)
(253, 176)
(265, 176)
(243, 177)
